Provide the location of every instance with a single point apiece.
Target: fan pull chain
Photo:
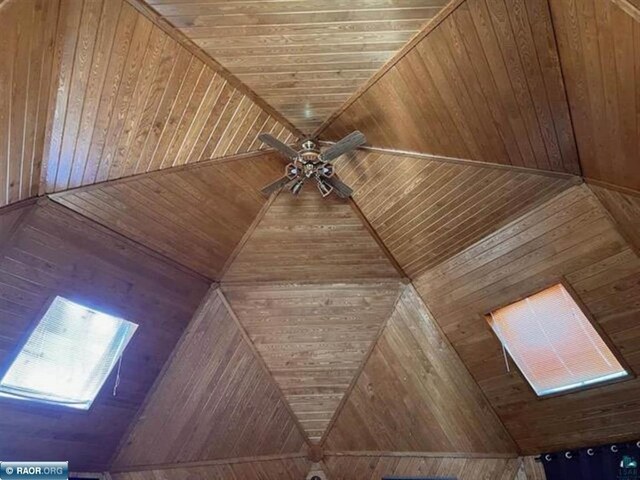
(117, 383)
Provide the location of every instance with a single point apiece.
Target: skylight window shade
(68, 356)
(553, 343)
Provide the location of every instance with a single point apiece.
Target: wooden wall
(427, 209)
(310, 239)
(130, 99)
(304, 58)
(600, 59)
(26, 51)
(56, 252)
(375, 467)
(414, 394)
(195, 215)
(213, 401)
(272, 469)
(314, 339)
(484, 84)
(571, 236)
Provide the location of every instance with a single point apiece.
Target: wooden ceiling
(53, 251)
(214, 400)
(213, 203)
(312, 345)
(305, 58)
(427, 209)
(314, 339)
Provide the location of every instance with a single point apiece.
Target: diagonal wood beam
(632, 7)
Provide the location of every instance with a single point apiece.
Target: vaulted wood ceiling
(343, 332)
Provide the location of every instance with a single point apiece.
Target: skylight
(553, 343)
(68, 356)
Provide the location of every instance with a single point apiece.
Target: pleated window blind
(553, 343)
(68, 356)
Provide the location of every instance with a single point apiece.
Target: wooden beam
(422, 454)
(632, 7)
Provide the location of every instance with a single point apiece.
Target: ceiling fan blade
(272, 187)
(283, 148)
(348, 143)
(342, 189)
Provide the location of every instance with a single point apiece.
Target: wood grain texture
(531, 470)
(304, 58)
(195, 215)
(571, 236)
(214, 401)
(131, 99)
(600, 57)
(313, 339)
(625, 210)
(56, 252)
(485, 85)
(415, 394)
(426, 210)
(26, 50)
(272, 469)
(310, 239)
(375, 467)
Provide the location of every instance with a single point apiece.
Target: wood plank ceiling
(427, 209)
(106, 93)
(314, 339)
(57, 252)
(570, 237)
(304, 57)
(224, 404)
(484, 84)
(196, 215)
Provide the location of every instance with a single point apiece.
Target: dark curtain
(607, 462)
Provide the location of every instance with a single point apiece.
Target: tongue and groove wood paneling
(485, 84)
(310, 239)
(263, 469)
(214, 401)
(130, 99)
(570, 236)
(415, 395)
(426, 210)
(600, 57)
(313, 339)
(195, 215)
(26, 50)
(304, 58)
(375, 467)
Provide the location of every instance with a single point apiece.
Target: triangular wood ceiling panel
(26, 50)
(570, 237)
(414, 394)
(305, 58)
(130, 99)
(426, 210)
(483, 84)
(214, 401)
(195, 215)
(310, 239)
(600, 57)
(314, 339)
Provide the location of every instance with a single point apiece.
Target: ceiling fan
(311, 163)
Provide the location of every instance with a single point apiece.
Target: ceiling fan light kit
(309, 162)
